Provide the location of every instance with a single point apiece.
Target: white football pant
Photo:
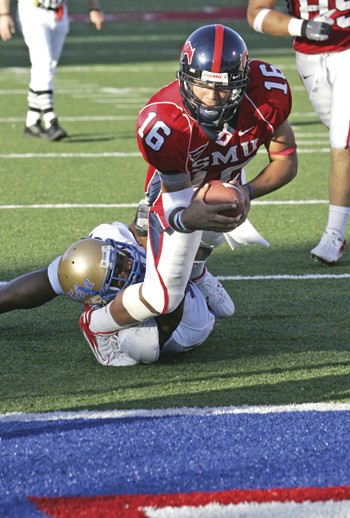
(326, 79)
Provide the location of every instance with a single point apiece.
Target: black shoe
(55, 132)
(36, 130)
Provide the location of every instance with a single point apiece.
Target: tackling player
(208, 124)
(322, 48)
(93, 271)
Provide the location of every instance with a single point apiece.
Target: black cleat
(36, 130)
(55, 132)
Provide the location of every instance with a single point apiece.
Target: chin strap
(245, 234)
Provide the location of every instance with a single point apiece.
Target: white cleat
(245, 234)
(119, 358)
(330, 249)
(106, 347)
(218, 300)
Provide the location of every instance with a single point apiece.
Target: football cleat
(105, 347)
(330, 248)
(36, 130)
(218, 300)
(55, 131)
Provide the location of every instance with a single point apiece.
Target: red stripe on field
(159, 16)
(131, 506)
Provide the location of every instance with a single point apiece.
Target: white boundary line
(121, 154)
(283, 277)
(84, 118)
(132, 205)
(277, 277)
(205, 411)
(72, 206)
(72, 155)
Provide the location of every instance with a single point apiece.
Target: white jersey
(197, 321)
(117, 231)
(196, 324)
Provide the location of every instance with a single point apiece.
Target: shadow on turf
(77, 139)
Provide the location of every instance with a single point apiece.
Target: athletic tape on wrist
(176, 222)
(294, 27)
(176, 200)
(250, 189)
(258, 21)
(134, 306)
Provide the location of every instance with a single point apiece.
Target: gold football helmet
(93, 270)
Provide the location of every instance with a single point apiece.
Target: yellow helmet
(91, 270)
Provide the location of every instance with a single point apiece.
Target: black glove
(316, 29)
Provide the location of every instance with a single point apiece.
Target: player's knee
(141, 342)
(162, 300)
(173, 302)
(139, 309)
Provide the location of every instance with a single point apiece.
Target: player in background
(207, 124)
(322, 47)
(93, 271)
(44, 25)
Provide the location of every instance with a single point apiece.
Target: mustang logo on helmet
(188, 51)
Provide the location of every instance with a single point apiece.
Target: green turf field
(288, 340)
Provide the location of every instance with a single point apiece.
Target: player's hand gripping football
(204, 214)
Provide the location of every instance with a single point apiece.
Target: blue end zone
(170, 454)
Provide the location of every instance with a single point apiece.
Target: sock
(34, 110)
(338, 218)
(48, 117)
(102, 321)
(33, 116)
(198, 270)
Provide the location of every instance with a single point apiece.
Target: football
(222, 192)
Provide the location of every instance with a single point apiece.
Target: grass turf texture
(287, 342)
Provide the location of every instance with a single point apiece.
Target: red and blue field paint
(220, 462)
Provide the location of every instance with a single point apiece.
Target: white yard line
(121, 154)
(131, 205)
(85, 118)
(206, 411)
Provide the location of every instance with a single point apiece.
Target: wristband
(295, 26)
(258, 20)
(250, 189)
(5, 14)
(176, 222)
(176, 200)
(95, 9)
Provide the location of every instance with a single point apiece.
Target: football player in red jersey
(208, 124)
(322, 47)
